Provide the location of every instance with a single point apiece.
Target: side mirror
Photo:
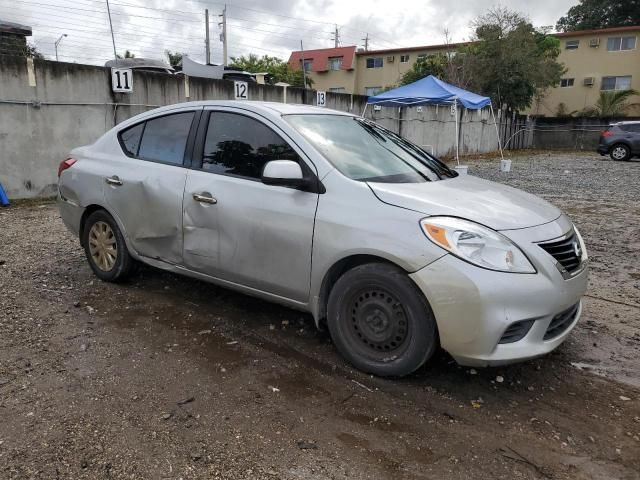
(285, 173)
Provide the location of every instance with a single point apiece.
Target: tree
(424, 66)
(611, 104)
(509, 60)
(127, 54)
(278, 68)
(594, 14)
(175, 58)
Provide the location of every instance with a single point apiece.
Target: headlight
(476, 244)
(583, 257)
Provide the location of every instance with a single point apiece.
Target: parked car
(331, 214)
(621, 140)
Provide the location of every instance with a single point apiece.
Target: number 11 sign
(121, 80)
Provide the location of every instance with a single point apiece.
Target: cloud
(148, 28)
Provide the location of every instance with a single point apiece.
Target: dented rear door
(144, 186)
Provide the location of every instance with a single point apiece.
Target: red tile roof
(320, 58)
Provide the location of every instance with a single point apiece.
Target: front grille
(516, 331)
(561, 322)
(567, 251)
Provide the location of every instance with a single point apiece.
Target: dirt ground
(168, 378)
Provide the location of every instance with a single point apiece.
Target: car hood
(492, 204)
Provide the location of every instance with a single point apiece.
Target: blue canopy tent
(433, 91)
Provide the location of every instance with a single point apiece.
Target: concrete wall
(51, 107)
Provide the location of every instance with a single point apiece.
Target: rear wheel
(620, 152)
(380, 321)
(105, 248)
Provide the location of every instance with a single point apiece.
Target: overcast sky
(273, 27)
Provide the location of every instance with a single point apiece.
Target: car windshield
(365, 151)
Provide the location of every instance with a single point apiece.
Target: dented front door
(147, 199)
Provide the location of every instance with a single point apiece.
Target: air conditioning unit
(391, 58)
(589, 81)
(594, 42)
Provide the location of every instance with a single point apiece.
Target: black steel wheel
(380, 321)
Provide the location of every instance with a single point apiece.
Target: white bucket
(505, 166)
(462, 169)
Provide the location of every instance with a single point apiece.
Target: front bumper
(474, 307)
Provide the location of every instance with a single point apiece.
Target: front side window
(335, 63)
(616, 44)
(375, 62)
(161, 139)
(241, 146)
(572, 44)
(365, 151)
(616, 83)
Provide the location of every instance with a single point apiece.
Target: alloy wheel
(102, 246)
(619, 153)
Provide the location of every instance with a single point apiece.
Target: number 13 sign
(121, 80)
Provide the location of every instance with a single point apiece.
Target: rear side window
(631, 127)
(239, 145)
(131, 139)
(165, 138)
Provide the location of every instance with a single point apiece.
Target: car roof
(257, 106)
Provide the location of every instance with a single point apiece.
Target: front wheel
(380, 321)
(105, 248)
(620, 152)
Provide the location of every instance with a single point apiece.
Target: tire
(105, 248)
(380, 321)
(620, 152)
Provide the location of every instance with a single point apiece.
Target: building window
(616, 83)
(338, 89)
(616, 44)
(572, 44)
(370, 91)
(335, 63)
(567, 82)
(404, 58)
(374, 62)
(307, 65)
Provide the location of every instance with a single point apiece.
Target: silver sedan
(331, 214)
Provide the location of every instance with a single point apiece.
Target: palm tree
(611, 104)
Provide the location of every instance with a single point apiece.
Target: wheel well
(87, 211)
(335, 272)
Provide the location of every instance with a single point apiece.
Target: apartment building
(595, 60)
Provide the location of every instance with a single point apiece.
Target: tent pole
(497, 131)
(455, 104)
(365, 109)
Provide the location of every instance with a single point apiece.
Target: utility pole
(336, 37)
(304, 72)
(366, 43)
(223, 35)
(58, 43)
(207, 43)
(113, 40)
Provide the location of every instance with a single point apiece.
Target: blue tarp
(429, 90)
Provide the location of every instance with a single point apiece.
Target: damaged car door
(144, 185)
(237, 228)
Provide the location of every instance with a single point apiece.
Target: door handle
(115, 180)
(204, 198)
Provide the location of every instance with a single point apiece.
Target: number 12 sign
(241, 90)
(121, 80)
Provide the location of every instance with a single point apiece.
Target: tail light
(68, 163)
(606, 133)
